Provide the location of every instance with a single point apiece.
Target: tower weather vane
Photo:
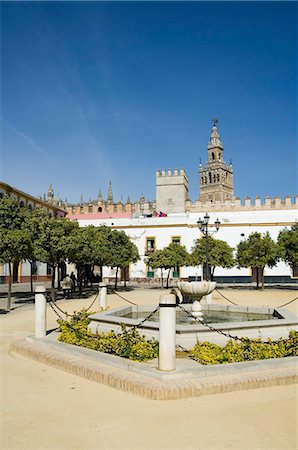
(215, 121)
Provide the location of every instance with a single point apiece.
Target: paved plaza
(43, 407)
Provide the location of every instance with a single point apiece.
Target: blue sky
(95, 91)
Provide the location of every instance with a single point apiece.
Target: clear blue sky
(94, 91)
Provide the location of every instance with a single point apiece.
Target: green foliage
(171, 257)
(128, 344)
(288, 242)
(15, 243)
(220, 254)
(245, 350)
(258, 251)
(122, 251)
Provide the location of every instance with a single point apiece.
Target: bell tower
(216, 179)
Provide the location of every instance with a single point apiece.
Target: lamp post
(203, 227)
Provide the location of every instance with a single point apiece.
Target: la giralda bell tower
(216, 179)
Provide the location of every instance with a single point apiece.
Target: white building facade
(150, 233)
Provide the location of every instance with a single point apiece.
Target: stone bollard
(103, 295)
(167, 332)
(40, 312)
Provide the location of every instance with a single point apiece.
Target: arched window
(213, 156)
(99, 209)
(22, 204)
(30, 207)
(210, 177)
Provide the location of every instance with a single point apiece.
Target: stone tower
(171, 191)
(216, 179)
(110, 193)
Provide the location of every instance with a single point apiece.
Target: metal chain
(285, 304)
(93, 301)
(182, 348)
(144, 320)
(50, 303)
(228, 335)
(236, 304)
(123, 298)
(53, 303)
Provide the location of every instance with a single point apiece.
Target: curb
(147, 387)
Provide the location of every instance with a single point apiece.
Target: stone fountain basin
(196, 289)
(187, 336)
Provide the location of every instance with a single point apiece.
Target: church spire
(99, 197)
(110, 193)
(215, 141)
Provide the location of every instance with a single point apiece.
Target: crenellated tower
(216, 179)
(171, 190)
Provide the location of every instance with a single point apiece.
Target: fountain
(196, 290)
(241, 321)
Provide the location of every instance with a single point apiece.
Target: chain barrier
(123, 298)
(144, 320)
(226, 298)
(182, 348)
(285, 304)
(97, 294)
(51, 305)
(228, 335)
(236, 304)
(54, 305)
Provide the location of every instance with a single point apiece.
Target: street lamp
(203, 227)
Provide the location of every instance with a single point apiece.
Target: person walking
(74, 281)
(67, 285)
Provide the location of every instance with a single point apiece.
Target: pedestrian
(67, 286)
(74, 281)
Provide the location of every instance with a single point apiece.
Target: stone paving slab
(143, 379)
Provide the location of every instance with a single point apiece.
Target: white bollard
(40, 312)
(103, 295)
(167, 332)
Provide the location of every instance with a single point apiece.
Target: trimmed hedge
(129, 344)
(245, 350)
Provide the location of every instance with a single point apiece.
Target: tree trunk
(53, 283)
(124, 276)
(161, 273)
(80, 279)
(257, 278)
(53, 277)
(9, 287)
(116, 279)
(168, 278)
(212, 268)
(59, 276)
(31, 276)
(100, 273)
(262, 275)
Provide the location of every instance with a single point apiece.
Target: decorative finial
(215, 121)
(200, 162)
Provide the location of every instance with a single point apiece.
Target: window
(22, 204)
(176, 240)
(99, 209)
(150, 245)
